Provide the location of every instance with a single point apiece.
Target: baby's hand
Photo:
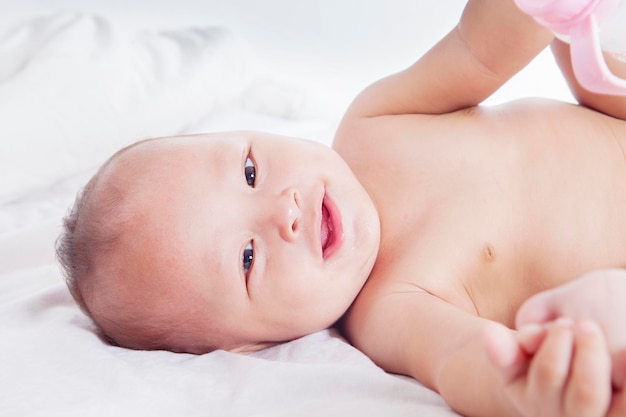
(559, 369)
(599, 296)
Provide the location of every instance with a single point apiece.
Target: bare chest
(488, 220)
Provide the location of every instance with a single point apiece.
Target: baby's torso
(485, 207)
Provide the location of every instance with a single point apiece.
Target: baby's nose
(287, 215)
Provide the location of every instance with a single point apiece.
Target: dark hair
(86, 251)
(90, 231)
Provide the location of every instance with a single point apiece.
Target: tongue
(324, 227)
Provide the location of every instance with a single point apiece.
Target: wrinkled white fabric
(74, 88)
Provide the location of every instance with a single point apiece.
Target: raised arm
(612, 105)
(492, 42)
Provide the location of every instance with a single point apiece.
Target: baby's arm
(612, 105)
(415, 333)
(492, 42)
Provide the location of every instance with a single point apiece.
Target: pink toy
(585, 23)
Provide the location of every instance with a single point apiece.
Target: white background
(344, 44)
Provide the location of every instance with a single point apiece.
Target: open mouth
(331, 229)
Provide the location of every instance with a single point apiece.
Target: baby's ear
(253, 347)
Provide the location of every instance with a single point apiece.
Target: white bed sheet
(52, 363)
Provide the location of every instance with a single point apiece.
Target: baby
(443, 217)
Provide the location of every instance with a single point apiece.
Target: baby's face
(251, 238)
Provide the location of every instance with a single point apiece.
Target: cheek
(295, 284)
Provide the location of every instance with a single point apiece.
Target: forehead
(171, 240)
(176, 151)
(167, 170)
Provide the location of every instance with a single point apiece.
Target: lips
(331, 233)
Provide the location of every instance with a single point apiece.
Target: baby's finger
(540, 308)
(504, 351)
(619, 369)
(531, 336)
(549, 369)
(588, 391)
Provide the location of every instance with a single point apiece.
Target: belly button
(489, 253)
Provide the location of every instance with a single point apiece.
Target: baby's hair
(88, 251)
(88, 233)
(91, 231)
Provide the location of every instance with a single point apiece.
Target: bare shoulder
(371, 135)
(389, 325)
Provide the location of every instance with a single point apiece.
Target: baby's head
(232, 240)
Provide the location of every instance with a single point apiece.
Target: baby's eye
(250, 172)
(248, 258)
